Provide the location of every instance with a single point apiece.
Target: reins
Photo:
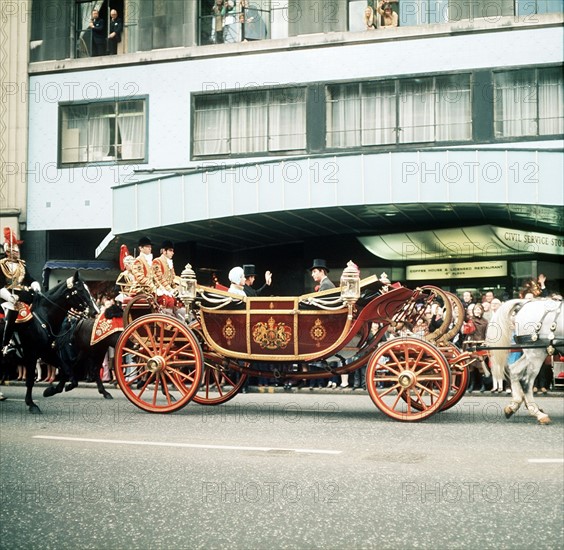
(68, 312)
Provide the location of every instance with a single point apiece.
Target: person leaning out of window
(388, 17)
(116, 28)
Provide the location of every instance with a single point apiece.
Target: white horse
(537, 327)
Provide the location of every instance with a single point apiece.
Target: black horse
(78, 353)
(38, 335)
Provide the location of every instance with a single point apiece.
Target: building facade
(275, 132)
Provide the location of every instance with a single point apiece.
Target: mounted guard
(16, 287)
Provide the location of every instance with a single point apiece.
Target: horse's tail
(499, 335)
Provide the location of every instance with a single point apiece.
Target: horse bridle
(83, 314)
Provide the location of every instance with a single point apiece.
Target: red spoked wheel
(137, 306)
(158, 363)
(220, 381)
(457, 361)
(408, 379)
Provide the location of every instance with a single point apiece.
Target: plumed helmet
(236, 274)
(10, 239)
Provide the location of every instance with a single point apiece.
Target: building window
(316, 17)
(529, 102)
(531, 7)
(432, 109)
(250, 122)
(103, 131)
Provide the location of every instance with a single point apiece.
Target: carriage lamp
(350, 283)
(187, 286)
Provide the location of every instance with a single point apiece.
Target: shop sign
(530, 241)
(467, 270)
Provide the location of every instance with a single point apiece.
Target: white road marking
(184, 445)
(546, 460)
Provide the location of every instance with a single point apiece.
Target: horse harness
(52, 337)
(551, 343)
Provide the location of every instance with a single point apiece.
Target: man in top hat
(164, 277)
(15, 282)
(319, 272)
(141, 269)
(250, 274)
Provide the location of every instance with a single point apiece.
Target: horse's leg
(532, 407)
(516, 398)
(51, 390)
(517, 395)
(95, 372)
(29, 362)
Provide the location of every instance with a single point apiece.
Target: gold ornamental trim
(229, 331)
(271, 335)
(318, 332)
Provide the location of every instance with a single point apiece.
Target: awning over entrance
(484, 241)
(100, 265)
(107, 269)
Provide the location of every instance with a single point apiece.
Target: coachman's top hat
(167, 245)
(249, 270)
(319, 264)
(144, 241)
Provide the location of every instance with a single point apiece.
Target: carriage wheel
(159, 363)
(457, 361)
(139, 305)
(408, 379)
(220, 382)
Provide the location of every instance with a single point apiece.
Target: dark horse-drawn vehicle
(162, 363)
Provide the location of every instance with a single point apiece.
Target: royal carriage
(163, 362)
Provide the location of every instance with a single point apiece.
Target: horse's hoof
(509, 412)
(71, 386)
(107, 395)
(545, 420)
(49, 391)
(34, 409)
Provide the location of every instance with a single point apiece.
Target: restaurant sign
(466, 270)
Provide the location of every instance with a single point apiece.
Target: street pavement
(301, 469)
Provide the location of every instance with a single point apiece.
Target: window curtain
(551, 102)
(249, 118)
(343, 116)
(74, 141)
(132, 131)
(287, 125)
(100, 118)
(211, 125)
(453, 109)
(378, 113)
(515, 104)
(417, 111)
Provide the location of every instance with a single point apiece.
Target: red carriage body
(162, 363)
